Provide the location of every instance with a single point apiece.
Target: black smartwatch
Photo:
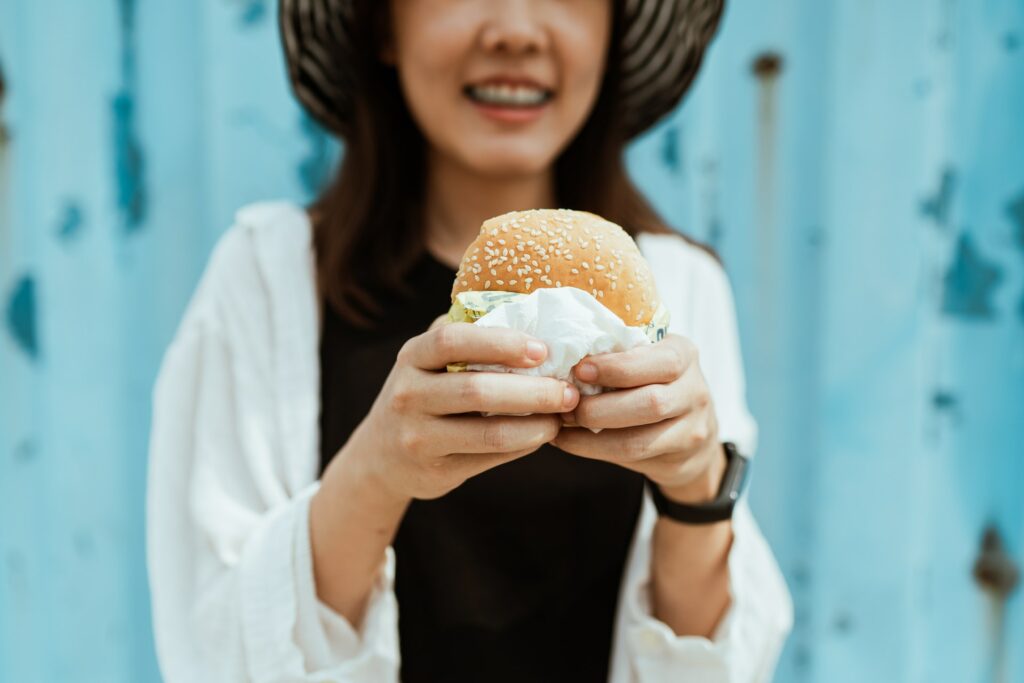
(717, 510)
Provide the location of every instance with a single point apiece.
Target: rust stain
(998, 575)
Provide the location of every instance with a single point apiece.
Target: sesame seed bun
(524, 251)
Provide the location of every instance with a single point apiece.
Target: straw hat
(663, 42)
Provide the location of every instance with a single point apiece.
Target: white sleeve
(229, 559)
(747, 642)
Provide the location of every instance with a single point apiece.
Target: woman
(326, 503)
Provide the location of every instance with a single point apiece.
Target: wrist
(353, 476)
(704, 487)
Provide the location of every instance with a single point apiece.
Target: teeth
(508, 95)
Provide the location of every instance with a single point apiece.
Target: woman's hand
(660, 423)
(424, 435)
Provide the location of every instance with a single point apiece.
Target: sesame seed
(512, 282)
(627, 308)
(487, 285)
(558, 283)
(500, 282)
(493, 271)
(586, 266)
(599, 266)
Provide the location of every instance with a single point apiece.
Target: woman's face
(500, 86)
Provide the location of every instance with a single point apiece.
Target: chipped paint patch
(944, 400)
(315, 166)
(969, 283)
(1015, 210)
(71, 222)
(129, 163)
(670, 150)
(938, 206)
(20, 316)
(253, 12)
(129, 159)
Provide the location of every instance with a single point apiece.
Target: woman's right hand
(424, 435)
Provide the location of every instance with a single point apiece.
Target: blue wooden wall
(858, 163)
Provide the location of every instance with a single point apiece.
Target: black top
(513, 576)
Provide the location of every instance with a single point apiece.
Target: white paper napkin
(572, 323)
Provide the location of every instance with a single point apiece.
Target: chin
(510, 159)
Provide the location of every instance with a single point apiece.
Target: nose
(514, 27)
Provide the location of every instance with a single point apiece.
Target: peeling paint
(670, 150)
(129, 159)
(315, 166)
(253, 12)
(1015, 210)
(71, 222)
(21, 316)
(944, 400)
(938, 206)
(969, 283)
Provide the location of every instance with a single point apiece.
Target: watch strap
(716, 510)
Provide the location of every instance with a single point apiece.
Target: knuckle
(445, 340)
(472, 391)
(407, 350)
(677, 359)
(699, 436)
(657, 402)
(496, 435)
(703, 398)
(402, 397)
(634, 448)
(411, 440)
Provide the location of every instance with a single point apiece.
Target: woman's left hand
(661, 422)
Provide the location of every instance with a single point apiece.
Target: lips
(515, 95)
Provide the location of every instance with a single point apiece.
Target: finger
(627, 446)
(465, 342)
(640, 406)
(648, 364)
(439, 321)
(495, 392)
(494, 434)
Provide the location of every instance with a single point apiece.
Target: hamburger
(523, 253)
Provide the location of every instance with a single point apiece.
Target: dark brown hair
(368, 227)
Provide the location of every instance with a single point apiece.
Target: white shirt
(234, 458)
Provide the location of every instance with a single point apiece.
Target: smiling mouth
(506, 95)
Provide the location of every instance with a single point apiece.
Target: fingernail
(586, 372)
(569, 397)
(536, 350)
